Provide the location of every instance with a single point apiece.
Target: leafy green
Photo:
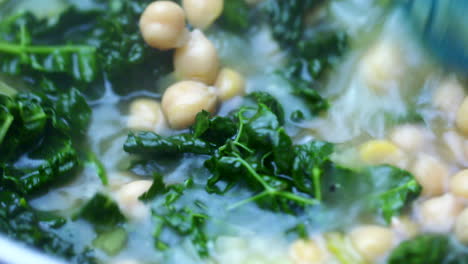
(19, 221)
(341, 247)
(151, 143)
(111, 242)
(101, 211)
(270, 102)
(39, 132)
(281, 176)
(232, 154)
(428, 249)
(235, 16)
(385, 190)
(97, 165)
(37, 143)
(213, 129)
(101, 43)
(18, 51)
(392, 189)
(184, 221)
(105, 215)
(157, 188)
(311, 55)
(287, 18)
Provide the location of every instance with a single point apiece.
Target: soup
(229, 132)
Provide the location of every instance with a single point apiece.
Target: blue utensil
(443, 27)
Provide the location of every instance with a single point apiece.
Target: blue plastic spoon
(443, 27)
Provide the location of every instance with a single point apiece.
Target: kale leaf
(37, 138)
(428, 249)
(311, 55)
(151, 143)
(235, 16)
(287, 18)
(251, 143)
(185, 221)
(384, 189)
(103, 43)
(101, 211)
(392, 189)
(19, 221)
(282, 176)
(38, 142)
(104, 214)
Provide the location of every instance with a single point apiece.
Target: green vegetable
(280, 175)
(105, 215)
(19, 221)
(18, 51)
(101, 211)
(97, 165)
(385, 190)
(40, 129)
(101, 43)
(183, 221)
(428, 249)
(392, 189)
(232, 154)
(111, 242)
(151, 143)
(235, 16)
(287, 18)
(342, 249)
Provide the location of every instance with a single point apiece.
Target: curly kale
(282, 176)
(428, 249)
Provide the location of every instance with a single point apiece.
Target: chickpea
(455, 144)
(431, 173)
(449, 96)
(372, 242)
(462, 117)
(459, 184)
(438, 214)
(305, 252)
(202, 13)
(162, 25)
(461, 227)
(146, 115)
(127, 197)
(379, 152)
(229, 83)
(184, 100)
(405, 227)
(197, 60)
(408, 137)
(381, 65)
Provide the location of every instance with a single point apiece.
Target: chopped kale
(235, 16)
(281, 175)
(105, 39)
(101, 211)
(287, 18)
(40, 130)
(384, 189)
(428, 249)
(19, 221)
(184, 221)
(112, 241)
